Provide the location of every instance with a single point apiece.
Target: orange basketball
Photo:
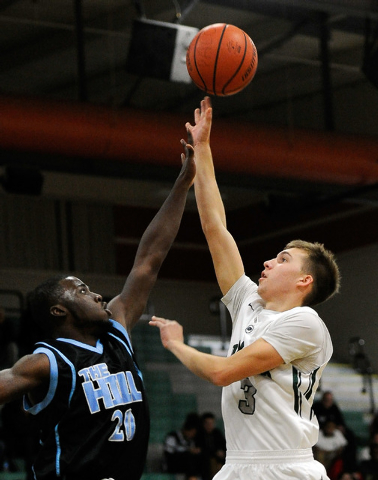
(221, 59)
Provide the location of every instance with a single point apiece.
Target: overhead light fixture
(158, 50)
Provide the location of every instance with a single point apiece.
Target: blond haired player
(279, 345)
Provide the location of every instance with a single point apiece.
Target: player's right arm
(29, 375)
(225, 254)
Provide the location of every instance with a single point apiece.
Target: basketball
(221, 59)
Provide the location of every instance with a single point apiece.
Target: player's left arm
(154, 245)
(254, 359)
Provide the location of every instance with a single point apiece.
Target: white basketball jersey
(273, 411)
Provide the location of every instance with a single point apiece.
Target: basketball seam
(216, 59)
(241, 63)
(195, 62)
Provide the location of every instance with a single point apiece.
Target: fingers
(189, 152)
(158, 321)
(190, 137)
(207, 102)
(197, 115)
(205, 111)
(189, 129)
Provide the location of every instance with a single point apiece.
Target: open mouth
(105, 306)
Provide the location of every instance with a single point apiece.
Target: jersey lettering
(237, 347)
(113, 389)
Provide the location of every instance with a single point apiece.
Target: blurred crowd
(337, 447)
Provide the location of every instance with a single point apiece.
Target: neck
(283, 305)
(73, 334)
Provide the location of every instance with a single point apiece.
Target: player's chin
(103, 325)
(260, 290)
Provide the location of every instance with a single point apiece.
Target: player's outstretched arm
(29, 375)
(154, 246)
(224, 251)
(257, 358)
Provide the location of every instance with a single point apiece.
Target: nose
(268, 263)
(98, 297)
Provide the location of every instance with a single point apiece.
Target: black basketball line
(195, 63)
(216, 58)
(241, 63)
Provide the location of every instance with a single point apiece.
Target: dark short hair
(207, 415)
(192, 420)
(321, 264)
(44, 296)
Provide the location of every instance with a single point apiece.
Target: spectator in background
(373, 427)
(181, 454)
(326, 409)
(349, 476)
(212, 443)
(365, 452)
(369, 467)
(329, 447)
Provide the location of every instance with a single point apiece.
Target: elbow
(210, 228)
(220, 379)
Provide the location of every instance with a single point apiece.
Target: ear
(306, 280)
(58, 311)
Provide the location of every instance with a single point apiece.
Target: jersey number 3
(247, 406)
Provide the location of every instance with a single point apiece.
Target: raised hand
(188, 164)
(200, 132)
(170, 331)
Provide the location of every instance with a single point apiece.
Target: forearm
(226, 258)
(208, 197)
(206, 366)
(160, 234)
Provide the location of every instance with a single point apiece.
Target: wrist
(202, 144)
(174, 345)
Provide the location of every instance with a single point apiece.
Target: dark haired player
(83, 382)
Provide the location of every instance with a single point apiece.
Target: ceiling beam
(296, 8)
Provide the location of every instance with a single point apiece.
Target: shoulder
(302, 318)
(243, 283)
(305, 319)
(244, 289)
(300, 333)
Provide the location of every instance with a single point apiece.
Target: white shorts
(282, 465)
